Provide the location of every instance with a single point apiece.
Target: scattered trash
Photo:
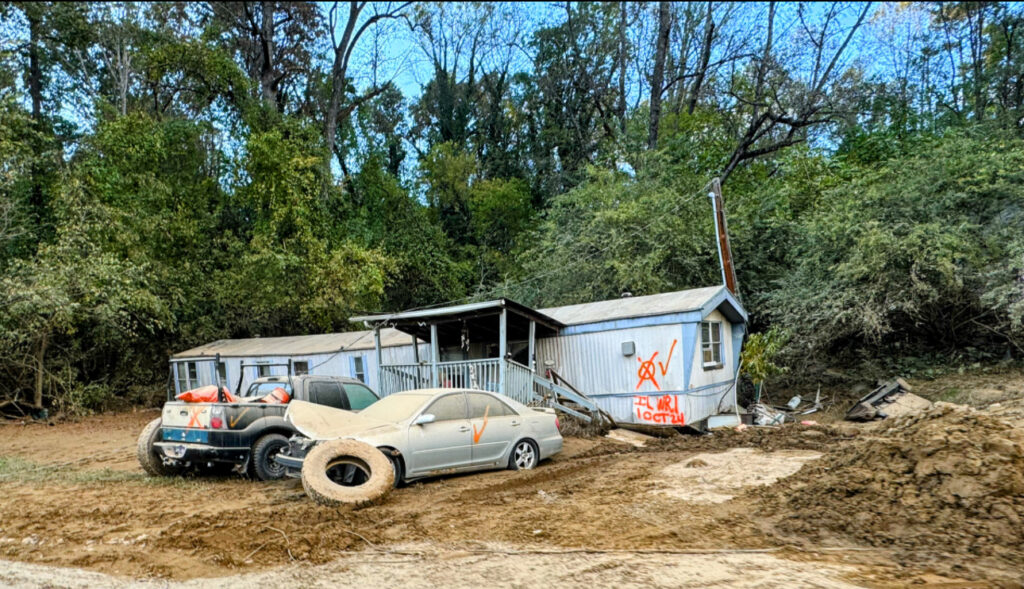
(741, 427)
(766, 415)
(891, 399)
(794, 402)
(808, 422)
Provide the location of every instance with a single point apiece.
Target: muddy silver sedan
(411, 435)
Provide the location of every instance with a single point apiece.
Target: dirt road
(674, 514)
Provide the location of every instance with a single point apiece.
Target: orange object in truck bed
(206, 394)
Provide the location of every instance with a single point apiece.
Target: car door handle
(464, 428)
(515, 424)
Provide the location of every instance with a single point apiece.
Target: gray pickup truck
(243, 435)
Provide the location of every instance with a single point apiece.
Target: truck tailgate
(187, 415)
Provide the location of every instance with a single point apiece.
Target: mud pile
(949, 481)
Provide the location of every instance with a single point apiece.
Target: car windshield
(258, 389)
(395, 408)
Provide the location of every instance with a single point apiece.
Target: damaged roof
(704, 300)
(297, 345)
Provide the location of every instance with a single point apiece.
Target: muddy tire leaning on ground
(327, 459)
(148, 456)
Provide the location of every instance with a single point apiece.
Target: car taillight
(558, 426)
(217, 418)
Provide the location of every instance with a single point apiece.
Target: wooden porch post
(502, 348)
(533, 336)
(415, 350)
(435, 353)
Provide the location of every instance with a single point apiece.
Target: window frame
(305, 367)
(261, 367)
(359, 368)
(712, 345)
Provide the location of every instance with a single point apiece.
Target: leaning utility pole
(722, 235)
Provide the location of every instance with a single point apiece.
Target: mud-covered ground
(677, 512)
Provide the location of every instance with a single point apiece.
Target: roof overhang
(480, 319)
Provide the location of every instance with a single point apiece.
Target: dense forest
(174, 173)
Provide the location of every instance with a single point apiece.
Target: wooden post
(530, 361)
(415, 350)
(722, 233)
(502, 348)
(435, 354)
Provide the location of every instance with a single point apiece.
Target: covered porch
(488, 346)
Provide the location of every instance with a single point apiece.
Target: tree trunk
(705, 58)
(658, 78)
(268, 77)
(622, 68)
(35, 91)
(37, 400)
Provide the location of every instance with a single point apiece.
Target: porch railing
(482, 374)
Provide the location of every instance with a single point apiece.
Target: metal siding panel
(594, 364)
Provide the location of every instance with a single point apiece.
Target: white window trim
(712, 345)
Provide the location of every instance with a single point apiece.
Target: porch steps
(563, 394)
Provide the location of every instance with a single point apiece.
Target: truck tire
(347, 472)
(261, 460)
(148, 456)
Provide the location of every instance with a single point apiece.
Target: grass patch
(19, 470)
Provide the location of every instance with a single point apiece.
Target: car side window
(327, 393)
(448, 407)
(479, 405)
(359, 397)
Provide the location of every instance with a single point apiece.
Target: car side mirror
(424, 419)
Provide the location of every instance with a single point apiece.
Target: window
(325, 392)
(359, 397)
(300, 368)
(711, 344)
(188, 376)
(448, 407)
(479, 405)
(359, 368)
(263, 388)
(262, 369)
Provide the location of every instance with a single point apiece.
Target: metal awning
(478, 318)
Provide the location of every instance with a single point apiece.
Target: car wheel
(149, 457)
(347, 472)
(261, 462)
(524, 455)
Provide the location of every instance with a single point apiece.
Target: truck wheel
(149, 457)
(261, 461)
(346, 472)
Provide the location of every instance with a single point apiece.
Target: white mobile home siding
(662, 383)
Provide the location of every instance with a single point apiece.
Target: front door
(443, 445)
(495, 427)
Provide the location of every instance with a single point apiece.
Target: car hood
(318, 422)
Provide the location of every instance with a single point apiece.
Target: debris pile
(890, 399)
(949, 480)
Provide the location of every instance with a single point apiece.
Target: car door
(495, 426)
(445, 443)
